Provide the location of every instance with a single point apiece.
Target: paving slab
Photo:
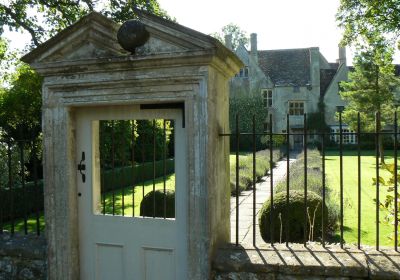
(246, 203)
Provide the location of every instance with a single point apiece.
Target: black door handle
(82, 167)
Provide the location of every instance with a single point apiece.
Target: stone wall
(313, 262)
(22, 257)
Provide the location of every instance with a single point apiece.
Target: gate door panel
(127, 154)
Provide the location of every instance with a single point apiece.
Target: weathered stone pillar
(85, 67)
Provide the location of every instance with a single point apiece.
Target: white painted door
(121, 247)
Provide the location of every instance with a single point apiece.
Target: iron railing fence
(21, 186)
(324, 139)
(136, 157)
(135, 169)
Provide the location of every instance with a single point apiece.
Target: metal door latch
(82, 167)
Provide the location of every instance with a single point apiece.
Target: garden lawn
(140, 191)
(368, 193)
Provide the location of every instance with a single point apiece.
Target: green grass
(118, 194)
(368, 193)
(31, 224)
(140, 191)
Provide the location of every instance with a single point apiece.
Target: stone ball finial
(132, 34)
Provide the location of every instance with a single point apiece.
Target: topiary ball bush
(147, 204)
(296, 217)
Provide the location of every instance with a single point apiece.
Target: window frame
(296, 110)
(267, 96)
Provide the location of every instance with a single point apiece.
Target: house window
(246, 71)
(243, 73)
(348, 136)
(296, 108)
(267, 97)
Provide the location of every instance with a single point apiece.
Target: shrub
(24, 201)
(158, 197)
(246, 169)
(314, 184)
(124, 176)
(296, 217)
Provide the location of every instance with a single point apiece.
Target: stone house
(291, 82)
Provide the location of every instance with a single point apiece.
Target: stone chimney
(342, 55)
(253, 44)
(315, 68)
(228, 41)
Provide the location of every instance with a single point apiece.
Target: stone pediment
(95, 36)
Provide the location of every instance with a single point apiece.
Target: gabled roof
(94, 38)
(286, 67)
(71, 39)
(326, 76)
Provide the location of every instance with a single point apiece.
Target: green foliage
(314, 184)
(125, 176)
(316, 121)
(8, 62)
(20, 105)
(246, 107)
(3, 49)
(116, 138)
(277, 140)
(370, 87)
(389, 202)
(43, 18)
(28, 200)
(295, 215)
(365, 18)
(153, 203)
(246, 169)
(239, 37)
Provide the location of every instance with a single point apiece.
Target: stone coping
(312, 260)
(28, 246)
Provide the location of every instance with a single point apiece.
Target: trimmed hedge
(296, 217)
(246, 106)
(314, 184)
(124, 176)
(156, 199)
(28, 200)
(246, 169)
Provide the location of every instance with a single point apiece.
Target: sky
(279, 24)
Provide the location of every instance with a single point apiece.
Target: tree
(370, 88)
(245, 107)
(239, 37)
(20, 105)
(365, 18)
(43, 18)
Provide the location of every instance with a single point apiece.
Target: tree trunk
(381, 150)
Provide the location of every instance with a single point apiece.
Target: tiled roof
(334, 65)
(326, 76)
(286, 67)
